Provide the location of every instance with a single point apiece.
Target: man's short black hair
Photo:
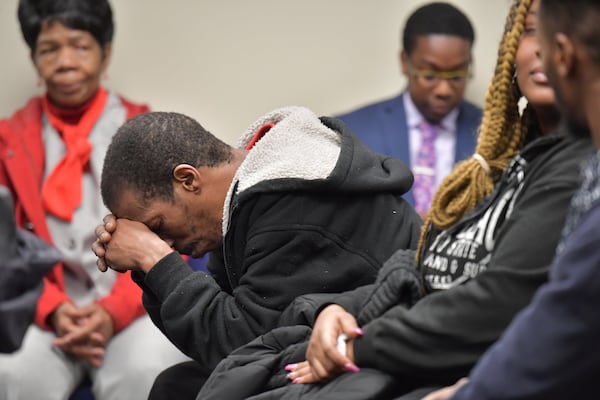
(93, 16)
(436, 19)
(579, 18)
(147, 148)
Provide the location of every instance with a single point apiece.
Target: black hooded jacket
(311, 209)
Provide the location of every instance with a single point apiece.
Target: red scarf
(61, 192)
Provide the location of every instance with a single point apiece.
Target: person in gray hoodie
(24, 261)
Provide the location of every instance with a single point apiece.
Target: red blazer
(22, 170)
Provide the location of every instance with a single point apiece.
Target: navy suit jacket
(382, 127)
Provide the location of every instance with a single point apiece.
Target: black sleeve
(398, 283)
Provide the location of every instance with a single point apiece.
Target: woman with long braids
(486, 247)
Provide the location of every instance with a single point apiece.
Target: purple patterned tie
(424, 170)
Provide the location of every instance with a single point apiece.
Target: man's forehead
(442, 51)
(131, 204)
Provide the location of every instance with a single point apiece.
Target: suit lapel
(466, 126)
(396, 130)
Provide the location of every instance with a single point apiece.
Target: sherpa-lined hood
(306, 153)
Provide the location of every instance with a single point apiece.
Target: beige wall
(227, 62)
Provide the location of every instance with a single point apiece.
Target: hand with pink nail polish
(323, 359)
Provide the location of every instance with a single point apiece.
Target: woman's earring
(105, 75)
(39, 82)
(515, 86)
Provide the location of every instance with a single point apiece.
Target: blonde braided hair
(501, 136)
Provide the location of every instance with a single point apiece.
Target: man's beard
(575, 126)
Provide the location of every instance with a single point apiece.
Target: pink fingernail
(290, 376)
(290, 367)
(351, 368)
(358, 330)
(297, 380)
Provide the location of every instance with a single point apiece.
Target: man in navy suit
(436, 59)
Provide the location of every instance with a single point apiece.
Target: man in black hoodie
(301, 206)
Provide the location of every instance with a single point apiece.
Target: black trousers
(181, 381)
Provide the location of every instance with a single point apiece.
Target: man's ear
(564, 55)
(403, 62)
(187, 176)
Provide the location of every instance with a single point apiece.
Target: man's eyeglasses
(430, 78)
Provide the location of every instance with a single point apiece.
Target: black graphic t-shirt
(464, 251)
